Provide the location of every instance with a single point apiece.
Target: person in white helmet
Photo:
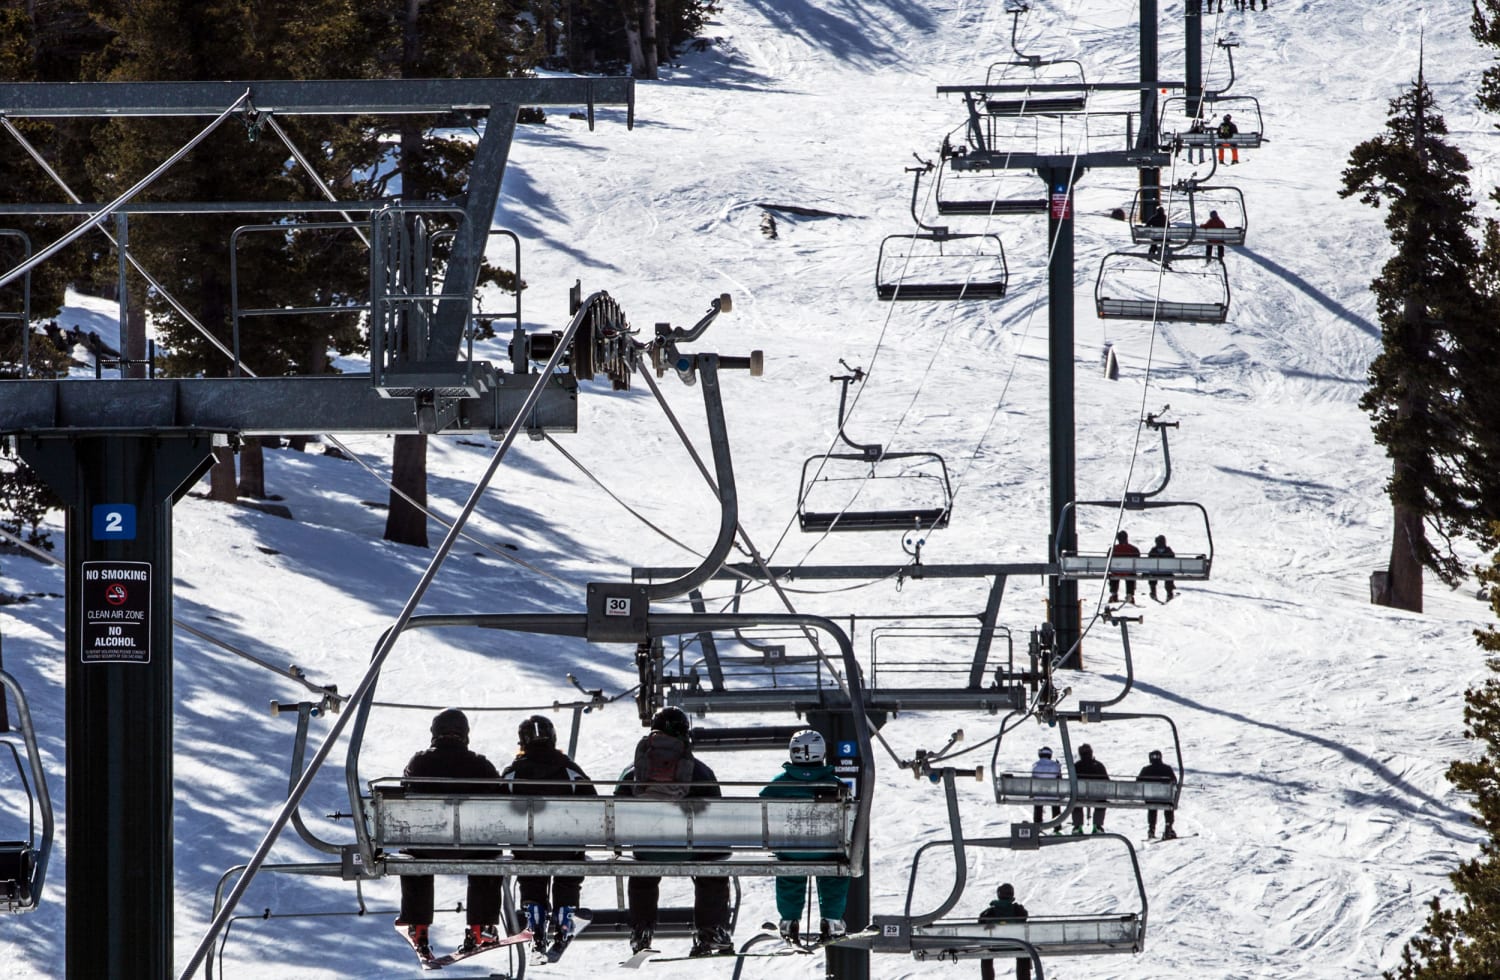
(805, 776)
(1046, 767)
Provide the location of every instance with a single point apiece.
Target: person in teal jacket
(806, 776)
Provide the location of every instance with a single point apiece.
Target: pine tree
(1431, 319)
(1462, 942)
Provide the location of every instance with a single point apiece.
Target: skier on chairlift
(807, 776)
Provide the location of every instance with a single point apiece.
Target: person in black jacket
(665, 769)
(1005, 908)
(449, 758)
(1163, 550)
(540, 769)
(1157, 771)
(1088, 767)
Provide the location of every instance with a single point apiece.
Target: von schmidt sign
(116, 612)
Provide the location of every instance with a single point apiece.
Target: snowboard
(431, 962)
(581, 920)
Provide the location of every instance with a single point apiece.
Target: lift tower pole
(1150, 176)
(121, 451)
(1062, 535)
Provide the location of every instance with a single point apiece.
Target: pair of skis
(430, 962)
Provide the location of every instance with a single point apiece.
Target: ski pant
(710, 902)
(1098, 817)
(483, 905)
(1036, 813)
(1023, 969)
(565, 889)
(1151, 819)
(791, 894)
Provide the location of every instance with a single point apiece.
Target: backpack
(661, 759)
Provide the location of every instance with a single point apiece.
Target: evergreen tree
(1462, 942)
(1431, 318)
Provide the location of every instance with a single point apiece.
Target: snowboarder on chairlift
(1157, 771)
(808, 776)
(540, 769)
(449, 757)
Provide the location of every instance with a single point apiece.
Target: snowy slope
(1315, 727)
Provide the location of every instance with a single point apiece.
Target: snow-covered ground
(1315, 727)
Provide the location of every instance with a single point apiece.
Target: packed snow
(1315, 727)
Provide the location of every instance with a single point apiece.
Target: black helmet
(1122, 537)
(451, 723)
(1162, 538)
(536, 730)
(1156, 755)
(673, 721)
(1085, 751)
(1045, 752)
(1006, 890)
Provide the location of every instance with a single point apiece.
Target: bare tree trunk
(648, 41)
(633, 19)
(405, 524)
(252, 469)
(1405, 584)
(221, 476)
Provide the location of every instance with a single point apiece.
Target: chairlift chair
(1192, 564)
(987, 192)
(1024, 789)
(901, 491)
(1188, 206)
(1175, 126)
(1179, 286)
(1063, 87)
(23, 861)
(939, 264)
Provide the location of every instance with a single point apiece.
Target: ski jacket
(1162, 550)
(1091, 769)
(704, 784)
(800, 781)
(1157, 772)
(1004, 910)
(1047, 769)
(1158, 219)
(545, 762)
(1213, 222)
(1227, 128)
(803, 781)
(449, 758)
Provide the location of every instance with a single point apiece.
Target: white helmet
(807, 746)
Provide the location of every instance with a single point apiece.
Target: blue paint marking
(114, 522)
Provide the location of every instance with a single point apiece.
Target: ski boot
(830, 929)
(640, 938)
(712, 942)
(790, 930)
(536, 921)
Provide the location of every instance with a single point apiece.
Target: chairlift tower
(1061, 173)
(121, 452)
